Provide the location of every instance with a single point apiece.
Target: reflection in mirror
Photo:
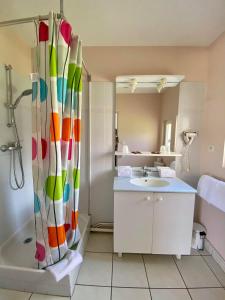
(167, 135)
(145, 119)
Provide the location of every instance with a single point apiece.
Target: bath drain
(28, 240)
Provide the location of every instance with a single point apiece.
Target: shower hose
(16, 158)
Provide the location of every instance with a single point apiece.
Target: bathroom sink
(151, 182)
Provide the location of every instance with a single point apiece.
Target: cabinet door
(173, 221)
(133, 216)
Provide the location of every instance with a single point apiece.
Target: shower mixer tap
(10, 147)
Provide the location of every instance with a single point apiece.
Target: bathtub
(18, 268)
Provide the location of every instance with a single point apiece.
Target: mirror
(146, 114)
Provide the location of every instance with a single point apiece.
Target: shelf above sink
(169, 154)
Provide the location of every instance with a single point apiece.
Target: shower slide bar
(16, 180)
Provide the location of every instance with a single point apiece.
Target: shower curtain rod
(27, 20)
(32, 19)
(41, 18)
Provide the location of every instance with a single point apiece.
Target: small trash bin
(198, 237)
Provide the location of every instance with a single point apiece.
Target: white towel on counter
(124, 171)
(166, 172)
(64, 267)
(212, 190)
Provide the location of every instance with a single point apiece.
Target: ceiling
(129, 22)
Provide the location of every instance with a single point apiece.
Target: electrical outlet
(211, 148)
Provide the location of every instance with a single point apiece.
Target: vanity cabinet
(158, 223)
(133, 226)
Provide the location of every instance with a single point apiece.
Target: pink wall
(197, 64)
(214, 221)
(214, 134)
(20, 56)
(105, 63)
(214, 111)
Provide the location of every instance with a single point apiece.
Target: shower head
(23, 94)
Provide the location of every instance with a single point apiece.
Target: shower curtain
(56, 114)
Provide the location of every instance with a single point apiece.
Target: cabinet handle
(148, 198)
(160, 199)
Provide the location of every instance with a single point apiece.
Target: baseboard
(215, 254)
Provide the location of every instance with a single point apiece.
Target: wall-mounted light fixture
(133, 84)
(148, 84)
(161, 84)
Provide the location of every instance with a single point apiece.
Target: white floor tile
(207, 294)
(196, 273)
(91, 293)
(13, 295)
(100, 242)
(96, 269)
(170, 294)
(129, 271)
(47, 297)
(162, 272)
(216, 269)
(130, 294)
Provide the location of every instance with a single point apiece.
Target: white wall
(190, 111)
(102, 148)
(16, 207)
(84, 173)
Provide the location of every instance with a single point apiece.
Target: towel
(66, 265)
(166, 172)
(124, 171)
(206, 187)
(212, 190)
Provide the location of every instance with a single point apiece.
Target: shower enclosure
(18, 267)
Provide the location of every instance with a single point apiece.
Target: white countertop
(176, 186)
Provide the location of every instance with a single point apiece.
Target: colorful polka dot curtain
(56, 115)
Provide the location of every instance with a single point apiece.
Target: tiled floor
(104, 276)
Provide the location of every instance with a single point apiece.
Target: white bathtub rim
(19, 268)
(12, 236)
